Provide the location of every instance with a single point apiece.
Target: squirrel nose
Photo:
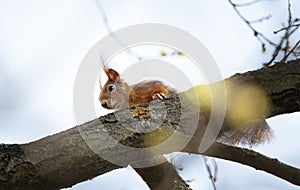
(105, 105)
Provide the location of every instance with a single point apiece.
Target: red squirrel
(117, 94)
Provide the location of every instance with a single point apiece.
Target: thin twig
(289, 53)
(209, 168)
(248, 3)
(260, 19)
(256, 33)
(275, 53)
(287, 34)
(285, 28)
(284, 43)
(108, 28)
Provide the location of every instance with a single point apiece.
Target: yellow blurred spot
(203, 95)
(245, 104)
(181, 54)
(157, 137)
(163, 53)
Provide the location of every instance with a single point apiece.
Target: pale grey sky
(43, 42)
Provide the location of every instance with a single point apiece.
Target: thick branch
(65, 159)
(281, 82)
(167, 175)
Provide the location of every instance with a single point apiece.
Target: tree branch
(65, 159)
(282, 84)
(253, 159)
(162, 176)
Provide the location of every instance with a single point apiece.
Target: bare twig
(285, 28)
(291, 51)
(211, 165)
(275, 53)
(283, 45)
(103, 16)
(108, 28)
(260, 36)
(260, 19)
(248, 3)
(287, 33)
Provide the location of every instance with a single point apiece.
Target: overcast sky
(43, 42)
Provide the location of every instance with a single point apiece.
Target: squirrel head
(115, 92)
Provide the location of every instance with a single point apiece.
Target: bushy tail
(253, 133)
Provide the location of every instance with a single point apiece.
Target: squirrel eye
(111, 87)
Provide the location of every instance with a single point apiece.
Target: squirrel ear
(112, 74)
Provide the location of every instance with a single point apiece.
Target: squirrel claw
(160, 96)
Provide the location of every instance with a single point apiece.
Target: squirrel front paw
(159, 95)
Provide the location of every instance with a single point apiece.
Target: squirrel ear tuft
(112, 74)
